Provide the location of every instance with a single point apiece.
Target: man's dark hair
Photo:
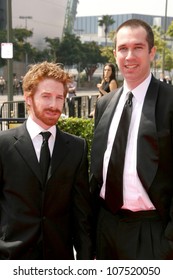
(133, 23)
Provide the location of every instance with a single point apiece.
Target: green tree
(91, 58)
(169, 53)
(85, 56)
(21, 34)
(161, 44)
(170, 30)
(108, 53)
(20, 44)
(53, 45)
(168, 59)
(106, 22)
(39, 56)
(22, 48)
(69, 50)
(158, 38)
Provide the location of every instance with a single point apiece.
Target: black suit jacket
(154, 146)
(58, 215)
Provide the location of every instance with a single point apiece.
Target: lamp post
(9, 61)
(26, 19)
(164, 37)
(26, 26)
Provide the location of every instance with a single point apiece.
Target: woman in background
(108, 82)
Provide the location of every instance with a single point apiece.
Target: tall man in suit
(142, 225)
(44, 220)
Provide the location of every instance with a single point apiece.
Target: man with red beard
(44, 218)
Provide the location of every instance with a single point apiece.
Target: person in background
(137, 222)
(2, 85)
(108, 83)
(168, 80)
(21, 85)
(16, 85)
(44, 218)
(162, 78)
(72, 87)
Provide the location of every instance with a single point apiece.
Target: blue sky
(111, 7)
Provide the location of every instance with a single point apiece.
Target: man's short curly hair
(40, 71)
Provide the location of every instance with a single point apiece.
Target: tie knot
(45, 135)
(129, 99)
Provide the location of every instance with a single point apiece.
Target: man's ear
(114, 53)
(152, 53)
(28, 99)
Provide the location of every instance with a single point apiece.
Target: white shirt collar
(140, 91)
(34, 129)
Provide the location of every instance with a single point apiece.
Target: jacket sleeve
(82, 211)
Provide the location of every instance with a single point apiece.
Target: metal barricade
(12, 113)
(92, 103)
(81, 106)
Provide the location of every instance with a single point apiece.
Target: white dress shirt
(34, 131)
(135, 197)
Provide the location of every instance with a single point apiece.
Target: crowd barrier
(13, 113)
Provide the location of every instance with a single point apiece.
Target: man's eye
(59, 97)
(123, 49)
(45, 96)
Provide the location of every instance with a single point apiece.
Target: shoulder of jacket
(106, 98)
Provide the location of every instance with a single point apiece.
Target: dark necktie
(114, 181)
(45, 155)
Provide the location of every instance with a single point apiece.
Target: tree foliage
(92, 57)
(161, 44)
(170, 30)
(108, 53)
(71, 52)
(106, 21)
(20, 44)
(53, 45)
(85, 56)
(158, 38)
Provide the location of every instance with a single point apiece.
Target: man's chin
(50, 122)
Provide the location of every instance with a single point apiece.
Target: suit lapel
(101, 135)
(25, 148)
(147, 147)
(59, 152)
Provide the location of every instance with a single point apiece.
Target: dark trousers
(131, 235)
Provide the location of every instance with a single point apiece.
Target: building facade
(88, 29)
(45, 18)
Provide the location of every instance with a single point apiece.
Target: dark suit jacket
(154, 146)
(58, 214)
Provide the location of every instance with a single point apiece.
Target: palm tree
(106, 21)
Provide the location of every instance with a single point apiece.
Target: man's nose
(53, 102)
(129, 53)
